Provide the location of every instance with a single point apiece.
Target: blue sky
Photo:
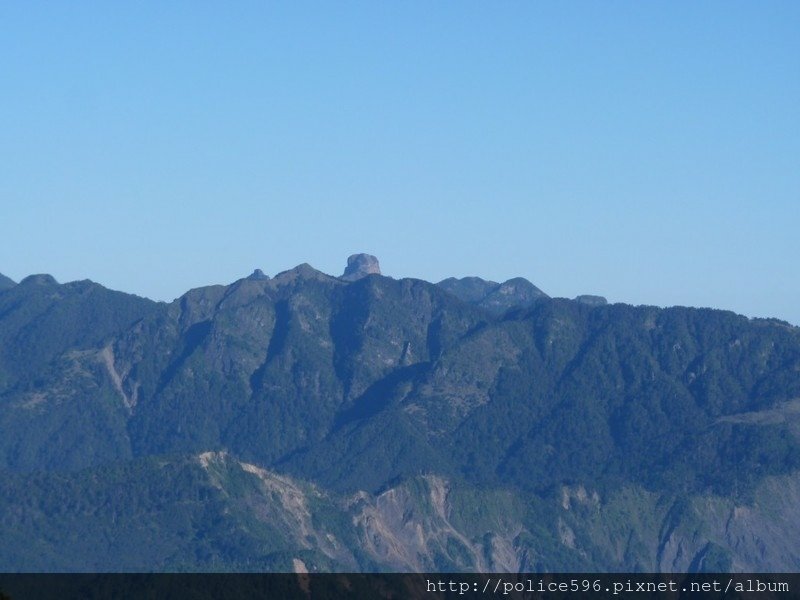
(646, 151)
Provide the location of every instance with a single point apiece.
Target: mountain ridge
(6, 282)
(358, 388)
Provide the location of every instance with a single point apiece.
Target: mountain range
(363, 423)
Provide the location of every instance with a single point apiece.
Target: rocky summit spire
(361, 265)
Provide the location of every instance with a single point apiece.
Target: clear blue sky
(646, 151)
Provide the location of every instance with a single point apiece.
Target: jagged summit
(6, 282)
(361, 265)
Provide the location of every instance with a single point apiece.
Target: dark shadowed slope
(6, 283)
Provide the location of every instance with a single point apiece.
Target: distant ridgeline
(363, 423)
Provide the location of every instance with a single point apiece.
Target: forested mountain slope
(381, 424)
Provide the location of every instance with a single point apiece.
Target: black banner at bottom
(432, 586)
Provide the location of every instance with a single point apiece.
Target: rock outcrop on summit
(258, 275)
(361, 265)
(591, 300)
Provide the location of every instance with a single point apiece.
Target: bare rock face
(592, 300)
(361, 265)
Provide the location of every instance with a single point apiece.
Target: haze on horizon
(649, 153)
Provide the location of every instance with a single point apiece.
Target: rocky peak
(258, 275)
(496, 297)
(302, 271)
(521, 288)
(39, 279)
(361, 265)
(591, 300)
